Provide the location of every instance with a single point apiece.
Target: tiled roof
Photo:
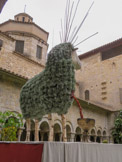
(13, 73)
(102, 48)
(6, 35)
(31, 23)
(90, 105)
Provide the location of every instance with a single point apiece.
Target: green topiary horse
(51, 90)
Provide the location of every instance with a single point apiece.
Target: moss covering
(50, 91)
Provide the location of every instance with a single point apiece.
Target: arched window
(78, 134)
(57, 132)
(87, 95)
(23, 136)
(32, 132)
(104, 135)
(92, 136)
(98, 139)
(68, 131)
(44, 131)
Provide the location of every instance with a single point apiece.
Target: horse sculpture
(52, 90)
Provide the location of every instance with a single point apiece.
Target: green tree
(117, 130)
(10, 122)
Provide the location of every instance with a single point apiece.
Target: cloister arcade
(49, 130)
(96, 134)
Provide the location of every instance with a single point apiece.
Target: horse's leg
(64, 128)
(51, 130)
(36, 130)
(28, 129)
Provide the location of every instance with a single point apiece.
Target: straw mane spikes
(68, 33)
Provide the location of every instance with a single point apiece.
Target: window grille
(23, 19)
(19, 47)
(87, 95)
(39, 52)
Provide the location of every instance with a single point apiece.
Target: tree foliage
(117, 130)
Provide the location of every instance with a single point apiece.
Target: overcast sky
(105, 17)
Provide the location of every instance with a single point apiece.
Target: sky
(105, 17)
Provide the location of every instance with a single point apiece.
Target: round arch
(99, 133)
(57, 132)
(104, 133)
(94, 129)
(78, 134)
(57, 121)
(43, 120)
(92, 135)
(44, 131)
(70, 125)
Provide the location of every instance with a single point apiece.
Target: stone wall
(9, 95)
(103, 79)
(17, 63)
(30, 47)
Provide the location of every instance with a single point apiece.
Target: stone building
(23, 52)
(2, 3)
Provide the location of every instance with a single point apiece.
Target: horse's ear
(75, 49)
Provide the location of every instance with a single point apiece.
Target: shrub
(9, 134)
(117, 130)
(10, 122)
(105, 141)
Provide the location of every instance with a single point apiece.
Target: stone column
(28, 129)
(85, 136)
(101, 139)
(89, 139)
(51, 131)
(72, 137)
(42, 136)
(61, 136)
(95, 138)
(36, 130)
(111, 140)
(64, 128)
(81, 138)
(107, 138)
(20, 133)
